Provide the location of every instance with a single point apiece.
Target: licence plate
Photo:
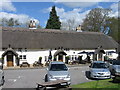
(63, 83)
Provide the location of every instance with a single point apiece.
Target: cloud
(77, 14)
(81, 3)
(115, 11)
(22, 18)
(85, 1)
(114, 6)
(6, 5)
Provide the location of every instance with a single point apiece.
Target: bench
(57, 84)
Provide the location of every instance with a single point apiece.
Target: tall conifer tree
(53, 21)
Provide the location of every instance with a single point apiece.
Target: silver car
(1, 75)
(57, 71)
(99, 70)
(115, 67)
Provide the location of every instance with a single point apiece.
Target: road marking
(19, 76)
(83, 71)
(1, 87)
(13, 80)
(87, 79)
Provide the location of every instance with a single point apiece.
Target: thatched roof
(51, 39)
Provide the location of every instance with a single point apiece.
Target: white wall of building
(32, 56)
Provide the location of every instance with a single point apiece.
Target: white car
(99, 70)
(1, 75)
(57, 71)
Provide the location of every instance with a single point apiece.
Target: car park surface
(27, 78)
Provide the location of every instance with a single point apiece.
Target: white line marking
(87, 79)
(15, 80)
(83, 71)
(12, 80)
(19, 76)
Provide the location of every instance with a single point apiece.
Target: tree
(10, 22)
(97, 20)
(16, 23)
(69, 24)
(53, 21)
(114, 30)
(3, 21)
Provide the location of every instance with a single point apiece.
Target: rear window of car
(58, 67)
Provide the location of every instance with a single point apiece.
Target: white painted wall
(32, 56)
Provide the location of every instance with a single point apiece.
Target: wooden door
(60, 58)
(9, 60)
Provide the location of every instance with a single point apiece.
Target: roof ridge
(46, 30)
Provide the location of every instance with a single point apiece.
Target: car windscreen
(99, 65)
(116, 63)
(58, 67)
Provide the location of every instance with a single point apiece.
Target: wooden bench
(57, 84)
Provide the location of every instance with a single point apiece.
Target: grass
(98, 84)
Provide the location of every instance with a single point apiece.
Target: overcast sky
(24, 10)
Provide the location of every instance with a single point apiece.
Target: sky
(25, 10)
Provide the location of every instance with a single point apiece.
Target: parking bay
(27, 78)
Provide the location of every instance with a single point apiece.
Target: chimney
(78, 29)
(32, 24)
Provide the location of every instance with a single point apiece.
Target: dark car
(25, 64)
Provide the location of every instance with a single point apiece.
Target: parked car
(57, 71)
(115, 67)
(1, 75)
(99, 70)
(25, 64)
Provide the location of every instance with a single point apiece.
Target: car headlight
(93, 72)
(50, 76)
(107, 72)
(68, 76)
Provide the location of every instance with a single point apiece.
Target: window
(25, 49)
(72, 57)
(45, 58)
(20, 49)
(24, 56)
(20, 57)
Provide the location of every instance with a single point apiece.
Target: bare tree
(69, 24)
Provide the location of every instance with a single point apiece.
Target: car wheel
(46, 78)
(90, 75)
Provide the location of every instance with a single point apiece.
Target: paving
(27, 78)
